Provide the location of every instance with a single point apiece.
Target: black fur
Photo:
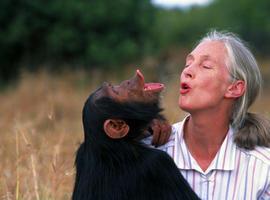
(124, 169)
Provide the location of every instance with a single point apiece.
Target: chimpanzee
(112, 163)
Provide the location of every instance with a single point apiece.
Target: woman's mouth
(184, 88)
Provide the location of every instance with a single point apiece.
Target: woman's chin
(184, 107)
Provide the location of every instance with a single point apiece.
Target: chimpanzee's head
(121, 111)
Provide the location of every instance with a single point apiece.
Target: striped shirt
(234, 173)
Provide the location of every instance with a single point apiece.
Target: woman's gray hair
(251, 129)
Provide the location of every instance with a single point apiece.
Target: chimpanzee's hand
(161, 131)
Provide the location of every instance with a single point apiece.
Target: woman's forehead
(210, 50)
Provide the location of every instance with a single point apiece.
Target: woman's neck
(204, 134)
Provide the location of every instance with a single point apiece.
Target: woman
(221, 149)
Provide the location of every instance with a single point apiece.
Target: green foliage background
(103, 33)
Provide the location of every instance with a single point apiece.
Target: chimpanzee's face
(134, 89)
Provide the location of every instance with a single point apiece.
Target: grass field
(40, 125)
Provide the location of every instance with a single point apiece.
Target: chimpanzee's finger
(162, 136)
(164, 133)
(167, 132)
(156, 131)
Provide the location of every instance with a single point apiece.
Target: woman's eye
(206, 67)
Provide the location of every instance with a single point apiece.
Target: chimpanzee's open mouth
(153, 87)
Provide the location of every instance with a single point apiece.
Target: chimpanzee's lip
(140, 75)
(153, 87)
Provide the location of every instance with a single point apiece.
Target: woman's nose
(188, 72)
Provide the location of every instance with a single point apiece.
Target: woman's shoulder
(261, 153)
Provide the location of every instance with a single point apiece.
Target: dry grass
(40, 126)
(40, 129)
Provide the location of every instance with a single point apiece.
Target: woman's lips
(184, 88)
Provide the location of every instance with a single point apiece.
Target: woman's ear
(236, 89)
(115, 128)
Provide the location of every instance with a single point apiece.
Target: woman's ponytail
(255, 131)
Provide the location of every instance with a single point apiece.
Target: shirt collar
(224, 159)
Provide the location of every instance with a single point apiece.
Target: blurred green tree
(90, 33)
(248, 18)
(103, 33)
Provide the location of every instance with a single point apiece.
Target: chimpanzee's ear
(115, 128)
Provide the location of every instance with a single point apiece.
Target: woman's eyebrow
(208, 57)
(189, 56)
(202, 58)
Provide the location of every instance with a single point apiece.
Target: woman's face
(205, 78)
